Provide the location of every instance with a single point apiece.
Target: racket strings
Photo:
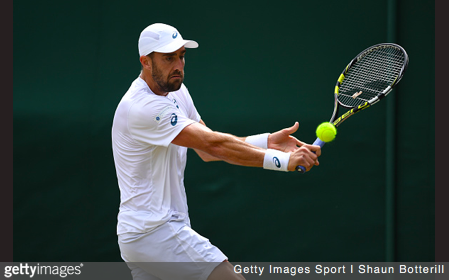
(370, 76)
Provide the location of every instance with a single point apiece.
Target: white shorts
(172, 251)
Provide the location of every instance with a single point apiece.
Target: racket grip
(317, 142)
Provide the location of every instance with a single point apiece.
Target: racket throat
(380, 96)
(354, 110)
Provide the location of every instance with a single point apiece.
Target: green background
(261, 66)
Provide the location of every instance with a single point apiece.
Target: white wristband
(259, 140)
(276, 160)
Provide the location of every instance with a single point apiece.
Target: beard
(166, 85)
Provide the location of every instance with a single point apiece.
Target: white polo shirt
(150, 170)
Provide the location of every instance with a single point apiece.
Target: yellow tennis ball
(326, 132)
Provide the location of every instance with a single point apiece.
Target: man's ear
(146, 62)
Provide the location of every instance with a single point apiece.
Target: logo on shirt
(276, 161)
(173, 119)
(175, 102)
(162, 113)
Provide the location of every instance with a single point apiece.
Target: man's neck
(151, 84)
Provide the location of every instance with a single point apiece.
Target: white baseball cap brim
(174, 46)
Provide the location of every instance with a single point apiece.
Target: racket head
(371, 75)
(368, 78)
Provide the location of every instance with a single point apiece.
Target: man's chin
(175, 85)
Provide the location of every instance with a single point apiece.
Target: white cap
(162, 38)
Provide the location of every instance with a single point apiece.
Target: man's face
(167, 69)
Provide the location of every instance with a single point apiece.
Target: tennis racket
(368, 78)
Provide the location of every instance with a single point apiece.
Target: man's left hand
(283, 141)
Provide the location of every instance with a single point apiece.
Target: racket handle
(317, 142)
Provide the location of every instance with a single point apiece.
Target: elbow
(207, 158)
(210, 154)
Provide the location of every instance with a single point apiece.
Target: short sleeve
(156, 121)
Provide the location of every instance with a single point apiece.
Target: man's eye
(169, 58)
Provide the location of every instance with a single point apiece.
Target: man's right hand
(306, 156)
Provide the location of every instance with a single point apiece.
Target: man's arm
(218, 145)
(281, 140)
(234, 150)
(207, 157)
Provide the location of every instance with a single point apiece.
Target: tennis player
(154, 124)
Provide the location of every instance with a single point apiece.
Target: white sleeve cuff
(259, 140)
(276, 160)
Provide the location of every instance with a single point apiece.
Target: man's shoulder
(139, 93)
